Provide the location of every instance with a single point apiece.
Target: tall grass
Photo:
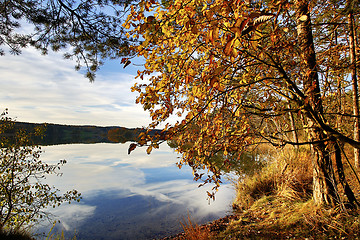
(287, 174)
(193, 231)
(57, 236)
(276, 203)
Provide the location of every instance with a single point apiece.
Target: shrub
(23, 194)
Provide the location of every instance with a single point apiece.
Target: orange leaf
(243, 24)
(213, 81)
(228, 47)
(211, 38)
(194, 29)
(149, 149)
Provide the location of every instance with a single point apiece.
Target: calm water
(136, 196)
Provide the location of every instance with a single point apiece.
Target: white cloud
(86, 164)
(39, 88)
(72, 215)
(98, 168)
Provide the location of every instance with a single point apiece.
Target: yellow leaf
(225, 152)
(165, 30)
(204, 7)
(215, 34)
(228, 47)
(149, 149)
(303, 18)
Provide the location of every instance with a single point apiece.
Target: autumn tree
(235, 70)
(24, 194)
(237, 73)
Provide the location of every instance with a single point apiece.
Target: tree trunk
(340, 170)
(338, 92)
(324, 187)
(354, 86)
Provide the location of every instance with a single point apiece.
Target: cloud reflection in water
(136, 196)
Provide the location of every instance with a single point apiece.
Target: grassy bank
(276, 203)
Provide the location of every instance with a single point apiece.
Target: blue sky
(38, 88)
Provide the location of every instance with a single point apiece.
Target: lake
(136, 196)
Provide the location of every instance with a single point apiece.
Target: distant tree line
(66, 134)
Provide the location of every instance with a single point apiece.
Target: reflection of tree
(241, 163)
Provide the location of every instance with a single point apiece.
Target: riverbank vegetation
(24, 196)
(276, 203)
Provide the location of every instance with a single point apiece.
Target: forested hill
(66, 134)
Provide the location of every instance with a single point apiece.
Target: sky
(37, 88)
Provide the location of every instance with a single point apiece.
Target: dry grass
(276, 203)
(275, 218)
(287, 175)
(193, 231)
(58, 236)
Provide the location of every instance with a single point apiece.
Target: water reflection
(134, 196)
